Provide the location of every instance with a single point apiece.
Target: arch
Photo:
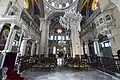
(64, 8)
(104, 32)
(53, 14)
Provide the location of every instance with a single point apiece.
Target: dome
(60, 4)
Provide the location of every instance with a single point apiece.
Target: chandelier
(59, 31)
(71, 19)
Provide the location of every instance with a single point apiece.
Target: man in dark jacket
(118, 52)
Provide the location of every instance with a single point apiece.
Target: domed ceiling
(60, 4)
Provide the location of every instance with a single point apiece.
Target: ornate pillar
(33, 49)
(44, 27)
(43, 32)
(47, 38)
(23, 46)
(87, 48)
(76, 43)
(7, 45)
(37, 49)
(97, 48)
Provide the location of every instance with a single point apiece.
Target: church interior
(59, 40)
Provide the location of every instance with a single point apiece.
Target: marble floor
(66, 74)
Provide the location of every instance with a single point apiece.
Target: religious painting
(3, 37)
(94, 4)
(26, 4)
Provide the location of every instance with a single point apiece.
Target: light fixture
(59, 31)
(71, 19)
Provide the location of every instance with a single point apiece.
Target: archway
(105, 45)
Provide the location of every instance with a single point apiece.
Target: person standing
(118, 52)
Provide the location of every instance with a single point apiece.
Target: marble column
(43, 32)
(47, 38)
(97, 48)
(12, 40)
(33, 48)
(76, 43)
(37, 49)
(87, 49)
(75, 37)
(44, 27)
(9, 37)
(23, 46)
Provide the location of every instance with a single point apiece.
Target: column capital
(86, 41)
(42, 19)
(96, 39)
(25, 38)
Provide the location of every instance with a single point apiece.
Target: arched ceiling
(55, 15)
(54, 18)
(84, 6)
(60, 4)
(56, 8)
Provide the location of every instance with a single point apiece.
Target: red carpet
(13, 75)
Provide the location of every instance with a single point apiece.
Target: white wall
(116, 31)
(3, 6)
(21, 3)
(117, 2)
(103, 4)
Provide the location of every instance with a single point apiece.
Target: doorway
(105, 46)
